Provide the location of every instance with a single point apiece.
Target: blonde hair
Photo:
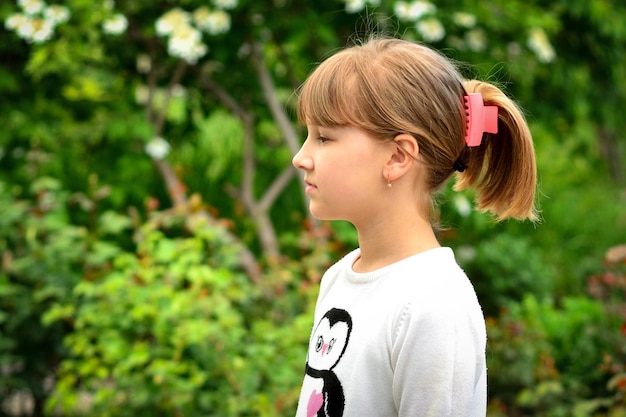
(390, 86)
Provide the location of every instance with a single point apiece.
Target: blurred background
(157, 257)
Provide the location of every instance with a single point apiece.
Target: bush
(561, 360)
(171, 330)
(43, 257)
(503, 268)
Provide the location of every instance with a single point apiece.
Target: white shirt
(405, 340)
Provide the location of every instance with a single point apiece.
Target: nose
(302, 160)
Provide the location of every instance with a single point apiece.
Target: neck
(392, 239)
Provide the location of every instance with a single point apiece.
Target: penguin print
(327, 346)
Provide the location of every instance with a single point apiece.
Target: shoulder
(439, 300)
(432, 277)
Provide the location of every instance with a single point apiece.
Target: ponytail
(502, 169)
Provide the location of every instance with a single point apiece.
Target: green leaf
(111, 222)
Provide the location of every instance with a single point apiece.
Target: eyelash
(322, 139)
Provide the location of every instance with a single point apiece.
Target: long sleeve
(438, 360)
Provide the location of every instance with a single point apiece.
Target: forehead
(329, 97)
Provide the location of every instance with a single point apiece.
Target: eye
(330, 344)
(318, 345)
(322, 139)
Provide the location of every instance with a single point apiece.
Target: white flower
(184, 36)
(33, 29)
(225, 4)
(476, 40)
(539, 43)
(418, 9)
(185, 40)
(178, 91)
(36, 28)
(215, 22)
(57, 14)
(196, 51)
(24, 27)
(116, 25)
(200, 16)
(31, 7)
(144, 63)
(465, 253)
(462, 205)
(185, 43)
(431, 29)
(465, 20)
(15, 21)
(158, 148)
(42, 30)
(172, 20)
(413, 11)
(401, 10)
(142, 94)
(355, 6)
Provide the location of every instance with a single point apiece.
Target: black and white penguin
(327, 346)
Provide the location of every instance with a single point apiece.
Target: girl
(398, 329)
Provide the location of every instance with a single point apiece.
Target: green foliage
(580, 208)
(42, 260)
(218, 151)
(567, 359)
(504, 268)
(170, 330)
(146, 317)
(541, 354)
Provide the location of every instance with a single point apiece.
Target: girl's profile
(398, 329)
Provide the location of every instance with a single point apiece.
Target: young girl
(398, 330)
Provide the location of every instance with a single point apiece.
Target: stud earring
(389, 185)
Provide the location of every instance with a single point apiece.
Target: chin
(325, 213)
(320, 214)
(325, 216)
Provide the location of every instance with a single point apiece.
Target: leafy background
(157, 255)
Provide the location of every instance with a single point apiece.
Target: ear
(402, 158)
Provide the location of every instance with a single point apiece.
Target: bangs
(329, 96)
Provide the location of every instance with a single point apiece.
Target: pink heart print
(316, 399)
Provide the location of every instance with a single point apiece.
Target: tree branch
(269, 92)
(277, 187)
(223, 96)
(177, 189)
(177, 192)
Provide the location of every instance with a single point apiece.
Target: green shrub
(42, 259)
(171, 331)
(609, 287)
(548, 360)
(504, 268)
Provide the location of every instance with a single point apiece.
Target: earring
(389, 185)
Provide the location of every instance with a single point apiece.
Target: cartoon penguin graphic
(327, 346)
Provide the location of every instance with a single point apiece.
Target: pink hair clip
(480, 119)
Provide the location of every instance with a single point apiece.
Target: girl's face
(344, 173)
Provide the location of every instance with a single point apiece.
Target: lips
(309, 186)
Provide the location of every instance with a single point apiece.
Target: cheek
(344, 181)
(350, 172)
